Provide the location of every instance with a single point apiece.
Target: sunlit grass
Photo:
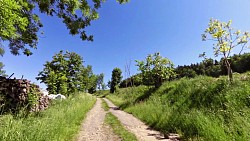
(118, 129)
(202, 108)
(105, 105)
(60, 122)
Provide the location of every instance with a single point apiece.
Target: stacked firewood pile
(16, 94)
(42, 104)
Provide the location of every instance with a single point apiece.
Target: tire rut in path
(93, 127)
(137, 127)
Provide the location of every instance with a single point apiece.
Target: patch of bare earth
(134, 125)
(93, 127)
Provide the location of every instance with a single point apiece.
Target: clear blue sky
(131, 31)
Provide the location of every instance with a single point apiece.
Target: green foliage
(60, 122)
(10, 14)
(115, 80)
(214, 68)
(208, 67)
(156, 69)
(134, 80)
(116, 125)
(60, 75)
(202, 108)
(20, 25)
(100, 82)
(66, 74)
(226, 39)
(2, 72)
(33, 96)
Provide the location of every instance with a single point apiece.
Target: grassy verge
(118, 129)
(105, 105)
(60, 122)
(202, 108)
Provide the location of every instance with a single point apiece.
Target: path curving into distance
(93, 127)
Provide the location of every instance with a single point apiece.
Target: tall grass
(60, 122)
(202, 108)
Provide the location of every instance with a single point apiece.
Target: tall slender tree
(116, 79)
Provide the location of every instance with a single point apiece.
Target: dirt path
(93, 128)
(141, 131)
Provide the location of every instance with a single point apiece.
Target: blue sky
(129, 32)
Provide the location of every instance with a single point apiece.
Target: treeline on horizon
(208, 67)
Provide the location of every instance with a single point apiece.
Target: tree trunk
(158, 82)
(230, 74)
(229, 71)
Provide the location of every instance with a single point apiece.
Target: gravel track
(93, 127)
(134, 125)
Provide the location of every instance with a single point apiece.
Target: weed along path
(93, 127)
(134, 125)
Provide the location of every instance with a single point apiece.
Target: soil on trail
(93, 127)
(134, 125)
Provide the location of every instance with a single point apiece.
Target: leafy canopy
(20, 25)
(156, 69)
(66, 74)
(226, 37)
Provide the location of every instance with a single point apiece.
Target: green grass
(202, 108)
(60, 122)
(118, 129)
(105, 105)
(101, 93)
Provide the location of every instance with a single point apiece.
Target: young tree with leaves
(156, 69)
(226, 39)
(116, 79)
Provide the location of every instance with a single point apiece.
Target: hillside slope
(202, 108)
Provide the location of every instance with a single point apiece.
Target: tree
(115, 80)
(61, 75)
(226, 39)
(88, 80)
(156, 69)
(134, 80)
(20, 25)
(92, 83)
(100, 83)
(109, 84)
